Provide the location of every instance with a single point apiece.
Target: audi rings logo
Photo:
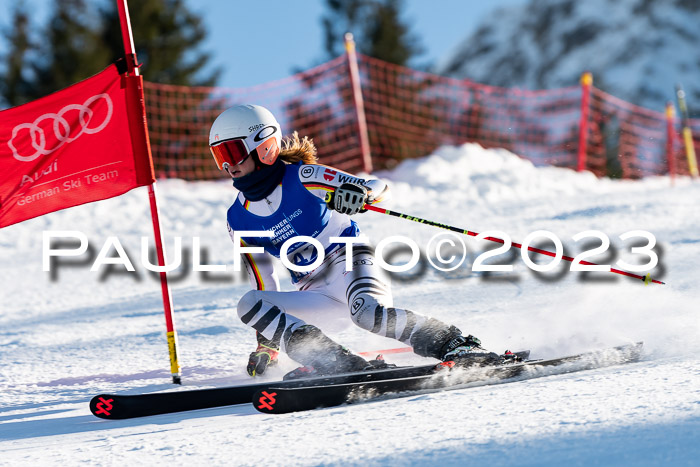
(61, 128)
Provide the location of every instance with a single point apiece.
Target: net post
(586, 83)
(139, 131)
(358, 101)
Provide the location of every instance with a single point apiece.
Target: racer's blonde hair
(295, 149)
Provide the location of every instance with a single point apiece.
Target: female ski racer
(283, 189)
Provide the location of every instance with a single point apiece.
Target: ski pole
(646, 279)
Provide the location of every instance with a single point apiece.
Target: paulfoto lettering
(445, 252)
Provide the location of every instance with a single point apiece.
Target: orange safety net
(626, 140)
(316, 103)
(409, 114)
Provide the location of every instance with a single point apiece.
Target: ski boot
(515, 357)
(265, 355)
(447, 344)
(467, 352)
(319, 355)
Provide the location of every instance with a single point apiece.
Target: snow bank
(64, 340)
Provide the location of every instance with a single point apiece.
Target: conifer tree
(166, 38)
(14, 77)
(379, 30)
(71, 49)
(80, 40)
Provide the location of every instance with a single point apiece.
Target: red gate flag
(72, 147)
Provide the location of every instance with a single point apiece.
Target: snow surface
(64, 340)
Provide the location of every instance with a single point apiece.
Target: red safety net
(409, 114)
(629, 141)
(317, 103)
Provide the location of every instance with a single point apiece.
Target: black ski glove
(265, 355)
(348, 198)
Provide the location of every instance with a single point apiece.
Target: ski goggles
(231, 152)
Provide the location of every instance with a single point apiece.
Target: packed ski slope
(66, 338)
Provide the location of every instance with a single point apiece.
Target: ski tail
(103, 406)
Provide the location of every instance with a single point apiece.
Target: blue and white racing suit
(328, 295)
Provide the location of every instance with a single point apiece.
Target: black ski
(115, 406)
(121, 406)
(277, 400)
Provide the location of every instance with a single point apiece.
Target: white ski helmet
(241, 130)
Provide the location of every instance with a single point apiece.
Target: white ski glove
(348, 198)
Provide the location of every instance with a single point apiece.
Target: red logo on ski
(104, 406)
(267, 400)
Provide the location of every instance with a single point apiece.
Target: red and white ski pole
(646, 279)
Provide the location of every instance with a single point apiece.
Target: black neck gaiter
(260, 183)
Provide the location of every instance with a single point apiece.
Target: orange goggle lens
(232, 151)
